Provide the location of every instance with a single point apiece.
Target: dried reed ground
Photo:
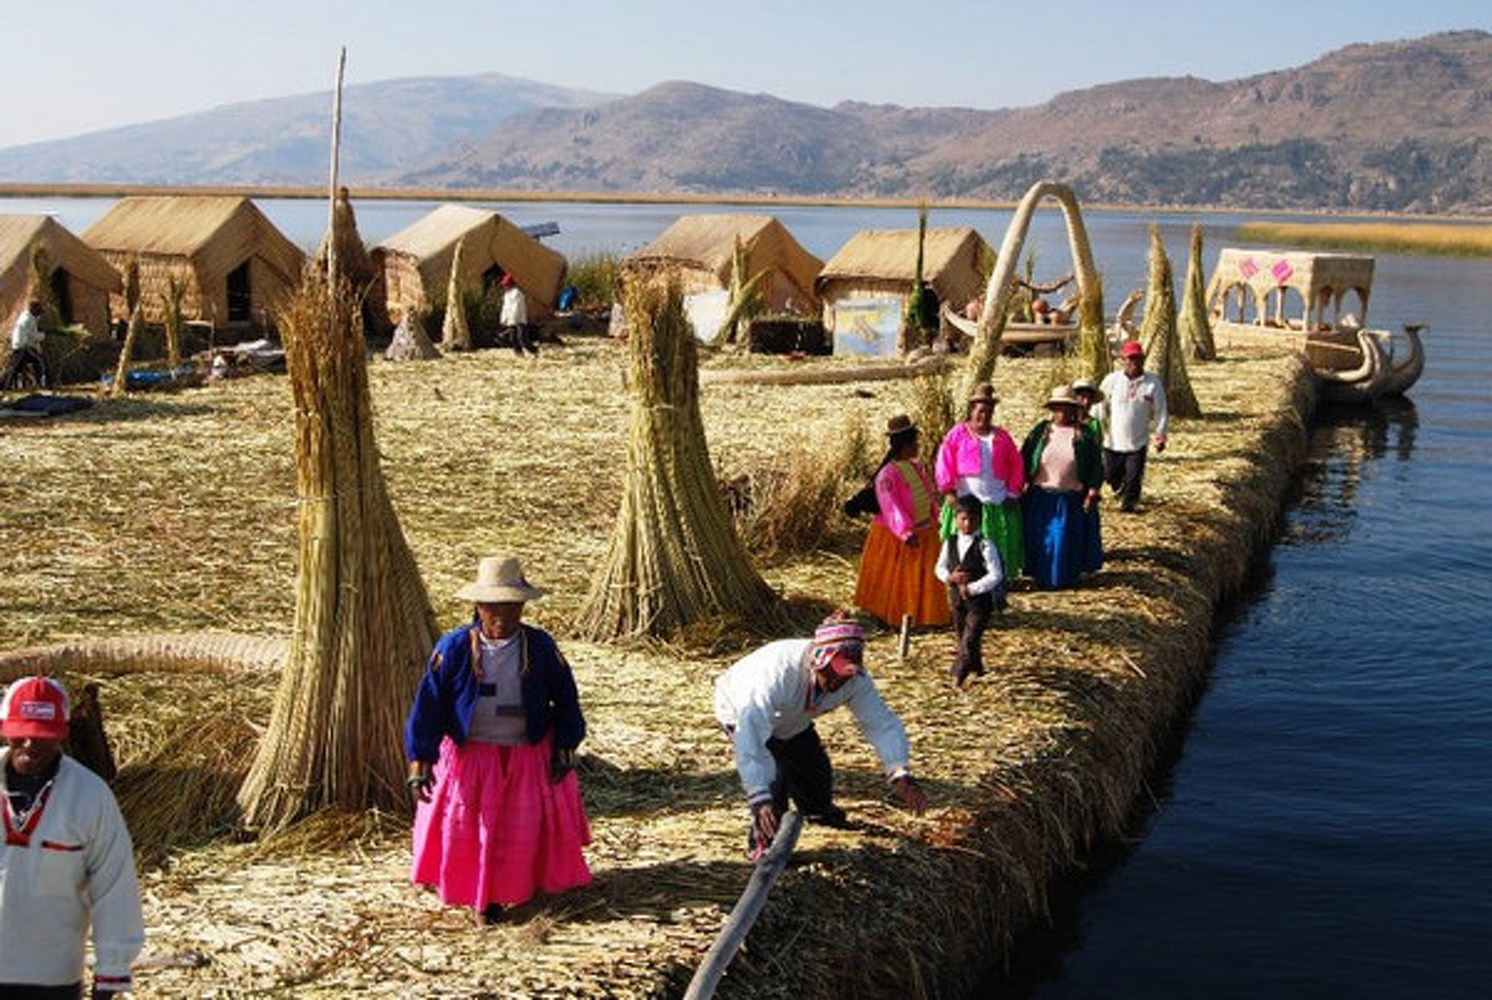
(175, 514)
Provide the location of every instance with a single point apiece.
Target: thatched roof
(707, 242)
(955, 261)
(215, 233)
(18, 233)
(490, 239)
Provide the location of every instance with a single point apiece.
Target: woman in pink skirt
(491, 745)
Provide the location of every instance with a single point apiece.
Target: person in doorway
(26, 339)
(1132, 402)
(767, 703)
(517, 330)
(970, 565)
(491, 742)
(67, 865)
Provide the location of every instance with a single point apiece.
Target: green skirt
(1002, 525)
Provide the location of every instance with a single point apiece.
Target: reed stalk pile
(1160, 336)
(363, 622)
(674, 558)
(1196, 326)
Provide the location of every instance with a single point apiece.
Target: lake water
(1324, 829)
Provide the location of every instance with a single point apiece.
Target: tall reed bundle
(674, 558)
(39, 288)
(363, 621)
(131, 337)
(455, 333)
(353, 263)
(745, 300)
(1159, 334)
(1094, 361)
(1196, 327)
(176, 286)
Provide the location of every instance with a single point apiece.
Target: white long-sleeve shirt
(770, 692)
(26, 333)
(515, 308)
(994, 569)
(1129, 407)
(76, 870)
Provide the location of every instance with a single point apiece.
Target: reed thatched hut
(864, 287)
(238, 267)
(81, 279)
(701, 248)
(414, 264)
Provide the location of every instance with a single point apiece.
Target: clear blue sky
(73, 66)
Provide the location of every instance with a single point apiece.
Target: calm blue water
(1326, 830)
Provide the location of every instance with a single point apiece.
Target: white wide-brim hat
(499, 580)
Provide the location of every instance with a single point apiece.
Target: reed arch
(997, 294)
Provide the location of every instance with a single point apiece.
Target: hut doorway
(62, 295)
(493, 278)
(240, 295)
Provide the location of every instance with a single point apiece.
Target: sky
(75, 66)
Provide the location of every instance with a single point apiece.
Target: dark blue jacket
(447, 695)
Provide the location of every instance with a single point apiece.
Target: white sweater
(1129, 407)
(767, 693)
(78, 869)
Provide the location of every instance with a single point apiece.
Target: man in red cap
(67, 860)
(517, 331)
(1131, 401)
(768, 700)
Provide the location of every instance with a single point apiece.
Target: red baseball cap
(34, 708)
(1130, 349)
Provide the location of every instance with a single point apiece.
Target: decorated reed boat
(1295, 298)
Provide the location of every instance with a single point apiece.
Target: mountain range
(1395, 127)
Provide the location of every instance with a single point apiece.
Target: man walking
(1132, 401)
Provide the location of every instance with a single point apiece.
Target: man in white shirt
(25, 344)
(1132, 401)
(767, 702)
(66, 863)
(514, 318)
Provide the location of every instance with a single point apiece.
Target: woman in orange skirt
(901, 552)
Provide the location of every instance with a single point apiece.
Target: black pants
(27, 357)
(1123, 471)
(21, 991)
(971, 617)
(804, 775)
(523, 337)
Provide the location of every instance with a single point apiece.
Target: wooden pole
(707, 977)
(906, 637)
(331, 195)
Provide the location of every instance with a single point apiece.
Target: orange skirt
(897, 579)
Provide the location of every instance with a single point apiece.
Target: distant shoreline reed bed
(1439, 238)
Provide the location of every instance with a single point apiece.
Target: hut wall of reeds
(415, 263)
(882, 264)
(81, 276)
(238, 267)
(701, 248)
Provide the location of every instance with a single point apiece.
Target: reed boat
(1295, 299)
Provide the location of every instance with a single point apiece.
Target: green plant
(595, 277)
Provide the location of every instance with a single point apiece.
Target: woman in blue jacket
(491, 744)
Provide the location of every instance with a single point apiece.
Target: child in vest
(971, 566)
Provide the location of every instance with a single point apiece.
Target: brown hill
(1398, 126)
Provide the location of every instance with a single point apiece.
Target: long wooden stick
(707, 977)
(331, 197)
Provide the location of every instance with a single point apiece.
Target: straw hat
(899, 425)
(499, 580)
(1062, 396)
(1084, 385)
(34, 708)
(984, 393)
